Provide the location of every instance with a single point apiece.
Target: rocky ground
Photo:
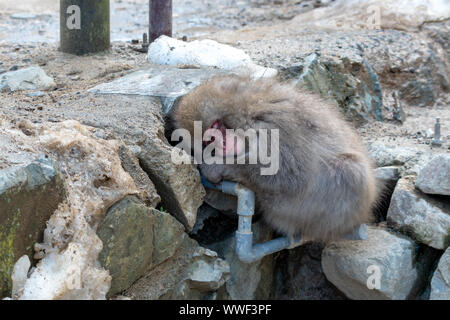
(391, 83)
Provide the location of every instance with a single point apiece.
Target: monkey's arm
(284, 181)
(212, 172)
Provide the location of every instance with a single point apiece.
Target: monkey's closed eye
(263, 116)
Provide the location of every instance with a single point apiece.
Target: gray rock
(166, 83)
(130, 164)
(127, 235)
(168, 236)
(137, 240)
(386, 155)
(191, 273)
(162, 280)
(359, 96)
(247, 281)
(28, 196)
(204, 276)
(440, 283)
(439, 31)
(32, 78)
(398, 112)
(434, 178)
(409, 159)
(354, 265)
(387, 174)
(208, 273)
(418, 92)
(396, 57)
(423, 218)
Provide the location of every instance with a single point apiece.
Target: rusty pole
(160, 17)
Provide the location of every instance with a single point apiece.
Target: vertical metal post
(160, 17)
(437, 133)
(84, 26)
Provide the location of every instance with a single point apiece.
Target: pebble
(23, 16)
(35, 94)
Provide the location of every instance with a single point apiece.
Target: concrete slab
(166, 83)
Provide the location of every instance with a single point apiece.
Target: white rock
(434, 178)
(208, 272)
(425, 219)
(388, 155)
(23, 16)
(387, 174)
(385, 261)
(207, 53)
(410, 160)
(440, 283)
(60, 276)
(32, 78)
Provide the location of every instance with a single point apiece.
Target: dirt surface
(129, 18)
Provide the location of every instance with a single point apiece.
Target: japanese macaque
(324, 185)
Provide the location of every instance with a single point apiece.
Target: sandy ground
(129, 18)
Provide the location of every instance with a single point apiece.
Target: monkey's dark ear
(169, 118)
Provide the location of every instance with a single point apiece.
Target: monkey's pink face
(224, 140)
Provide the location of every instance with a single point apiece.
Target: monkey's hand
(212, 172)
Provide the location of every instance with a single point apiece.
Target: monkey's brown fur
(325, 184)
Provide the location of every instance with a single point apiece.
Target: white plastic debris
(205, 53)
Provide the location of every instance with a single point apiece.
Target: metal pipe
(245, 249)
(84, 26)
(437, 133)
(160, 17)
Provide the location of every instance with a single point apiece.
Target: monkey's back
(325, 184)
(336, 188)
